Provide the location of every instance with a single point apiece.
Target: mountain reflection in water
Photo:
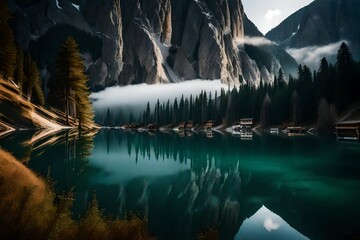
(185, 185)
(265, 224)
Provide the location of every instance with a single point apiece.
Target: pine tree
(157, 111)
(167, 113)
(346, 80)
(204, 110)
(276, 82)
(186, 110)
(181, 109)
(70, 92)
(37, 91)
(19, 75)
(131, 118)
(306, 91)
(7, 43)
(147, 114)
(28, 71)
(191, 108)
(210, 108)
(281, 79)
(323, 79)
(32, 86)
(223, 104)
(176, 111)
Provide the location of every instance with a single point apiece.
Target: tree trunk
(67, 104)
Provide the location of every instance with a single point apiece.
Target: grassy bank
(29, 209)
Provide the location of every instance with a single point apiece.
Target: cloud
(271, 14)
(255, 41)
(311, 56)
(270, 225)
(135, 97)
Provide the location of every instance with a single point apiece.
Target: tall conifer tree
(345, 79)
(31, 83)
(70, 92)
(7, 43)
(19, 75)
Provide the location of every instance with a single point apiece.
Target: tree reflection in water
(185, 184)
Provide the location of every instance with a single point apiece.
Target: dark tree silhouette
(7, 43)
(345, 78)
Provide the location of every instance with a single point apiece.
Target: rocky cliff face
(105, 17)
(146, 41)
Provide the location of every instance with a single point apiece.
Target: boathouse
(209, 124)
(296, 131)
(181, 125)
(246, 123)
(348, 130)
(189, 125)
(152, 127)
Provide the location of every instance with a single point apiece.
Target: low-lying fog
(134, 98)
(311, 56)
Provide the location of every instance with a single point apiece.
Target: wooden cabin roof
(295, 128)
(246, 119)
(354, 122)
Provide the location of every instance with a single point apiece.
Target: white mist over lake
(135, 97)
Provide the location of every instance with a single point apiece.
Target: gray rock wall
(106, 20)
(143, 41)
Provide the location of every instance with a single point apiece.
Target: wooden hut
(348, 130)
(209, 124)
(296, 131)
(131, 126)
(152, 127)
(189, 125)
(181, 125)
(247, 123)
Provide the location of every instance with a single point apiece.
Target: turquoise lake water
(270, 187)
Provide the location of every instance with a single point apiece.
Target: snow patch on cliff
(76, 6)
(57, 4)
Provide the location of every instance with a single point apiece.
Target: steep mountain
(321, 23)
(148, 41)
(269, 56)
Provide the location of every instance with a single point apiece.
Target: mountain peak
(320, 23)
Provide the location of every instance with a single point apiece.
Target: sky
(267, 14)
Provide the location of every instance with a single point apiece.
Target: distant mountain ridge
(321, 23)
(267, 54)
(154, 41)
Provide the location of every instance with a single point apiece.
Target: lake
(270, 187)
